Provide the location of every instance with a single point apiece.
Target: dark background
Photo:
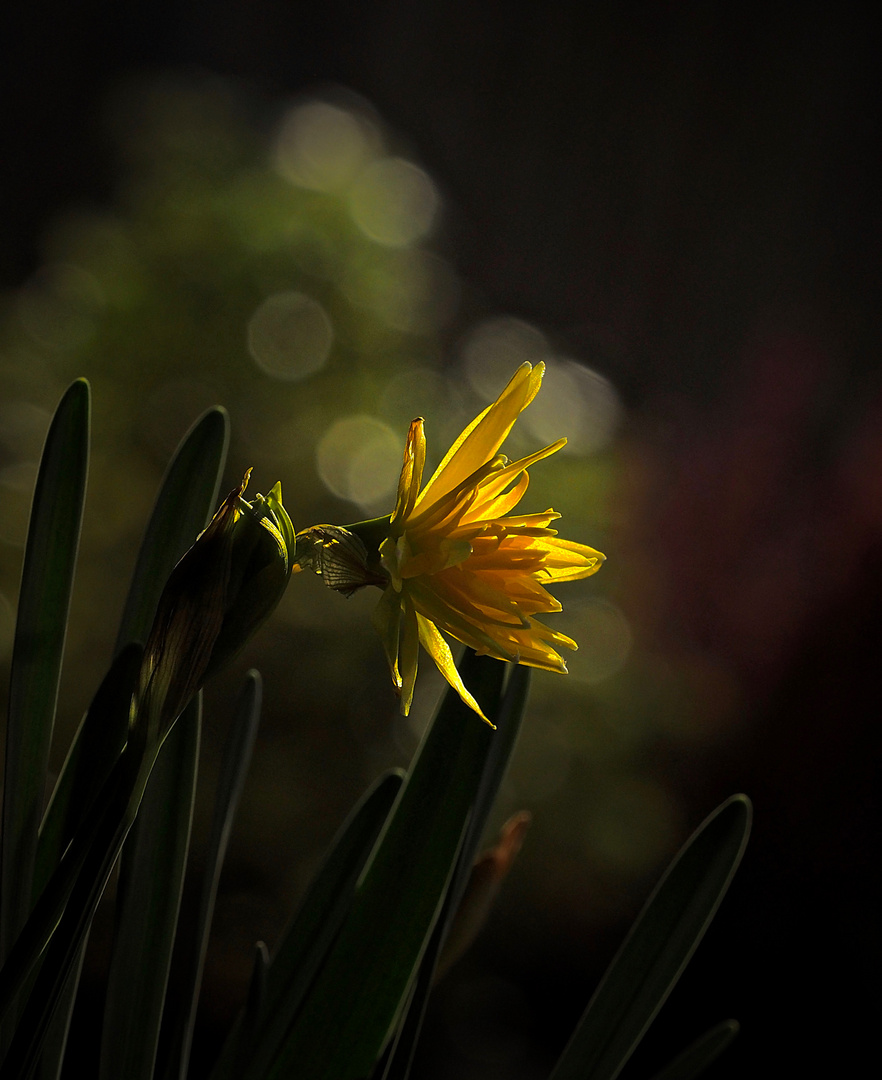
(686, 191)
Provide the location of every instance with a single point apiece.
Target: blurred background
(331, 218)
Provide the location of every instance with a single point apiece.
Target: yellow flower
(457, 561)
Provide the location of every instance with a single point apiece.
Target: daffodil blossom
(457, 560)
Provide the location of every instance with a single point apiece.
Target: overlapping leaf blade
(154, 859)
(44, 600)
(183, 506)
(508, 724)
(278, 988)
(97, 744)
(237, 758)
(57, 927)
(186, 499)
(148, 900)
(378, 951)
(698, 1055)
(658, 946)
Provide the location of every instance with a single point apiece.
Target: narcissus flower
(220, 591)
(454, 558)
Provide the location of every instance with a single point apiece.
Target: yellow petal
(458, 624)
(492, 489)
(411, 472)
(486, 433)
(386, 618)
(408, 656)
(568, 561)
(439, 650)
(476, 597)
(446, 553)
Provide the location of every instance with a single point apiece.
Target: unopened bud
(217, 595)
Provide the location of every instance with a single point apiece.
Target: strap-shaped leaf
(148, 900)
(56, 929)
(658, 946)
(508, 723)
(97, 744)
(91, 758)
(234, 768)
(44, 600)
(186, 500)
(183, 505)
(359, 992)
(55, 1043)
(698, 1055)
(278, 988)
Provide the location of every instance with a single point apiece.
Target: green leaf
(56, 929)
(55, 1043)
(278, 989)
(658, 946)
(44, 600)
(508, 723)
(183, 507)
(148, 899)
(92, 755)
(377, 953)
(237, 758)
(97, 745)
(698, 1055)
(63, 913)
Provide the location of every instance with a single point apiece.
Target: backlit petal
(386, 618)
(408, 656)
(483, 437)
(439, 650)
(411, 472)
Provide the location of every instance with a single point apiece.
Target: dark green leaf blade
(375, 958)
(55, 1043)
(97, 744)
(151, 882)
(186, 499)
(57, 927)
(508, 724)
(698, 1055)
(236, 760)
(658, 946)
(183, 506)
(94, 752)
(279, 988)
(44, 600)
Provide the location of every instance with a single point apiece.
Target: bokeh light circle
(290, 336)
(394, 202)
(575, 401)
(321, 146)
(496, 348)
(605, 639)
(359, 459)
(412, 290)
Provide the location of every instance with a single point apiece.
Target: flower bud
(217, 595)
